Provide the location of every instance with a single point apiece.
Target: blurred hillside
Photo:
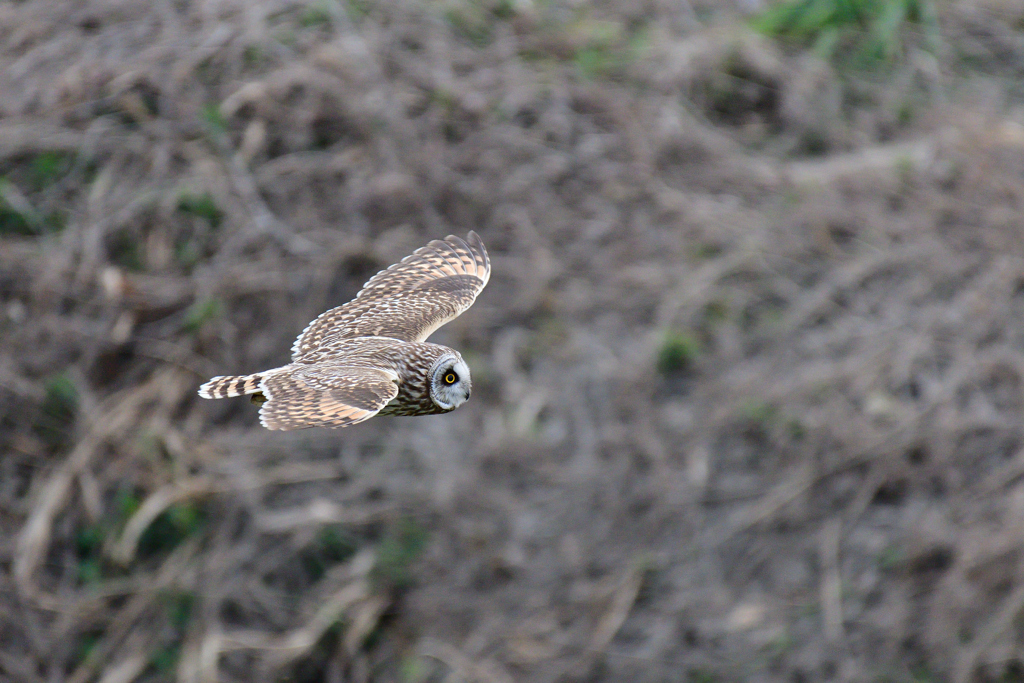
(747, 377)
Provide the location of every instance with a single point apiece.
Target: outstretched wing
(325, 395)
(407, 301)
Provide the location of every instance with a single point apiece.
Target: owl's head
(450, 384)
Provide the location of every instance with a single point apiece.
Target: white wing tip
(478, 244)
(263, 411)
(204, 390)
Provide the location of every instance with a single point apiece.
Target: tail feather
(237, 385)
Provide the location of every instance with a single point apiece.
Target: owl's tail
(226, 387)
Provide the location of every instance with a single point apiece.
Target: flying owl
(370, 356)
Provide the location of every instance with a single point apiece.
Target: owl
(370, 356)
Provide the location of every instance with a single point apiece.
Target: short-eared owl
(370, 356)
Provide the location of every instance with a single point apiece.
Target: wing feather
(406, 301)
(446, 260)
(325, 395)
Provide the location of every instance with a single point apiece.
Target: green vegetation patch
(760, 412)
(677, 354)
(179, 606)
(872, 30)
(57, 413)
(332, 546)
(179, 522)
(358, 9)
(201, 313)
(19, 217)
(399, 549)
(214, 121)
(86, 646)
(697, 675)
(202, 206)
(49, 167)
(607, 47)
(165, 659)
(14, 222)
(474, 21)
(318, 15)
(88, 545)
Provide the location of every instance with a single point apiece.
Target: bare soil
(747, 377)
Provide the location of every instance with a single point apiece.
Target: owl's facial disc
(450, 384)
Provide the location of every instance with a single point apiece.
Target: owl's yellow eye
(450, 378)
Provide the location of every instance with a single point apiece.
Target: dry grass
(747, 378)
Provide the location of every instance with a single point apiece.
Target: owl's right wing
(325, 395)
(407, 301)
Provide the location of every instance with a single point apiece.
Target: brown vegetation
(747, 377)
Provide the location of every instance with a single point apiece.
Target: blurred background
(747, 377)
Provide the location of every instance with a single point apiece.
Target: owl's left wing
(407, 301)
(325, 395)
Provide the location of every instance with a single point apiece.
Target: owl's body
(369, 356)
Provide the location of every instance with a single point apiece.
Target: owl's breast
(414, 384)
(412, 399)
